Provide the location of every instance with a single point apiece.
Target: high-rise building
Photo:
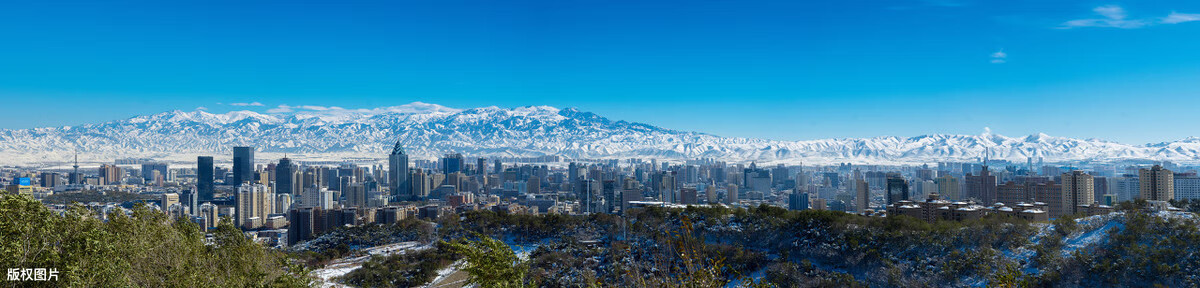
(243, 165)
(283, 202)
(1157, 183)
(862, 198)
(1128, 188)
(1187, 186)
(452, 163)
(1012, 193)
(687, 196)
(356, 195)
(1078, 189)
(731, 193)
(49, 179)
(204, 177)
(982, 187)
(798, 201)
(949, 188)
(1049, 193)
(167, 199)
(111, 174)
(148, 170)
(211, 215)
(285, 176)
(609, 188)
(481, 166)
(897, 188)
(254, 202)
(587, 190)
(191, 200)
(710, 191)
(398, 174)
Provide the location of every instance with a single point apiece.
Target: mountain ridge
(428, 130)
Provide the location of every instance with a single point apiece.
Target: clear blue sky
(785, 70)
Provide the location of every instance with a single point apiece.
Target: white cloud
(201, 108)
(999, 57)
(246, 104)
(318, 108)
(1111, 12)
(1176, 18)
(281, 109)
(1114, 16)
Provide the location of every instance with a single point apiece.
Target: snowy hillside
(428, 130)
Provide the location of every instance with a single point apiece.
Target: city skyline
(563, 143)
(819, 70)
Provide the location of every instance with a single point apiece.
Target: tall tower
(243, 165)
(76, 178)
(1157, 183)
(398, 174)
(1078, 188)
(204, 178)
(285, 176)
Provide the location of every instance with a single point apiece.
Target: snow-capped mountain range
(429, 130)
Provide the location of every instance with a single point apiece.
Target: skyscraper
(1078, 188)
(863, 198)
(452, 163)
(204, 177)
(897, 188)
(398, 174)
(481, 166)
(1157, 183)
(285, 176)
(243, 165)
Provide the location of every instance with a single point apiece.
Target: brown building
(933, 209)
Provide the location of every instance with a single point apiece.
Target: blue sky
(786, 70)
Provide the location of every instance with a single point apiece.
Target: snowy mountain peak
(427, 130)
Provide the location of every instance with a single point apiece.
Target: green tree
(490, 263)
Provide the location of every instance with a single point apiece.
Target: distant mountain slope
(428, 130)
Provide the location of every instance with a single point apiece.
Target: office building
(452, 163)
(798, 201)
(285, 176)
(149, 169)
(399, 177)
(243, 165)
(204, 178)
(897, 188)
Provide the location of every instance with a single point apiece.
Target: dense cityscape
(646, 144)
(295, 205)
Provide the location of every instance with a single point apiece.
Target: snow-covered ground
(325, 276)
(446, 276)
